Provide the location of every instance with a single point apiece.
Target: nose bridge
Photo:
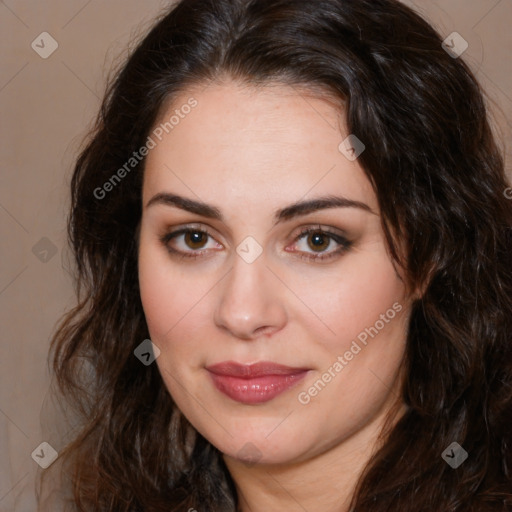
(249, 300)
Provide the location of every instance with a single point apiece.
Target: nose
(251, 301)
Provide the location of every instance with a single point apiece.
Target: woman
(292, 244)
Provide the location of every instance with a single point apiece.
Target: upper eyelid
(297, 231)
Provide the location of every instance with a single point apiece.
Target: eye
(191, 242)
(188, 241)
(319, 240)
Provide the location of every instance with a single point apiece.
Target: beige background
(47, 105)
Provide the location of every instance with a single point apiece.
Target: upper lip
(248, 371)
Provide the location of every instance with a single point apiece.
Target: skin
(250, 151)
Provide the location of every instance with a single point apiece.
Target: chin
(257, 449)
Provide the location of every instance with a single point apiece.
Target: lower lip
(258, 389)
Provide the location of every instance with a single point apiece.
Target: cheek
(177, 306)
(368, 311)
(156, 297)
(168, 291)
(161, 302)
(353, 298)
(165, 306)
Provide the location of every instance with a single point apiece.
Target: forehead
(275, 143)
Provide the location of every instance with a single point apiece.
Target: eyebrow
(296, 209)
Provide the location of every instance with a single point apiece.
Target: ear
(421, 287)
(415, 290)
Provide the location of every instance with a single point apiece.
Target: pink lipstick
(254, 383)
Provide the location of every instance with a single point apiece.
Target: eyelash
(342, 241)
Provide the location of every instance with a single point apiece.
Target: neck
(326, 481)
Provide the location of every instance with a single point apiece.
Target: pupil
(317, 239)
(195, 237)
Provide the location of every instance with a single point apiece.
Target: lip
(254, 383)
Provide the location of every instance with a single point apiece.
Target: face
(264, 275)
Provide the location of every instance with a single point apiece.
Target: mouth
(254, 383)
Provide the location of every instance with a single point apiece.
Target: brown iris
(316, 238)
(194, 239)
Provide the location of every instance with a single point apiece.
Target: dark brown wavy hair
(439, 177)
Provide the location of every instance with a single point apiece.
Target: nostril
(265, 331)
